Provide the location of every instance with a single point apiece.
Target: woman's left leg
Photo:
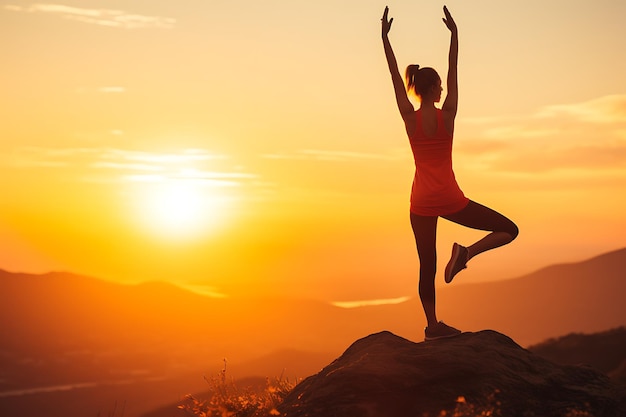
(425, 231)
(480, 217)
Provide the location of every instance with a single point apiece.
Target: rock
(385, 375)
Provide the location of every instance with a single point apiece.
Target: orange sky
(246, 148)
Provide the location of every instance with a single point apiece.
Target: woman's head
(423, 81)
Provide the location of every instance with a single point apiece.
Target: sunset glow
(177, 209)
(256, 148)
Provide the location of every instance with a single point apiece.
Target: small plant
(578, 413)
(466, 409)
(228, 400)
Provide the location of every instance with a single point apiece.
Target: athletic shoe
(440, 331)
(457, 262)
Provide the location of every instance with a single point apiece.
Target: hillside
(583, 297)
(605, 351)
(109, 329)
(61, 328)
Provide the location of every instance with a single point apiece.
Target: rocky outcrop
(385, 375)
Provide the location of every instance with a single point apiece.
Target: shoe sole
(430, 339)
(456, 253)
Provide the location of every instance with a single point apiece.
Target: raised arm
(404, 104)
(452, 98)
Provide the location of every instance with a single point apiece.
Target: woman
(435, 192)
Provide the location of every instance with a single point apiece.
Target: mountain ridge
(568, 298)
(62, 328)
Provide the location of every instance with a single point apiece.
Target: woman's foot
(439, 331)
(457, 262)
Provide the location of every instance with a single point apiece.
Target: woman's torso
(435, 191)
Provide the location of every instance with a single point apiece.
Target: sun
(176, 206)
(180, 209)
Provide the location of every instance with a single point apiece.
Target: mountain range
(61, 329)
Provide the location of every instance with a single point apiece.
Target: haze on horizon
(255, 148)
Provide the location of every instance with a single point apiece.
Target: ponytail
(420, 80)
(410, 75)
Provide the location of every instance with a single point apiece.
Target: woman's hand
(385, 22)
(448, 20)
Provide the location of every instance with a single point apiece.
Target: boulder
(484, 372)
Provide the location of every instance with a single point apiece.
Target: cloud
(607, 109)
(338, 156)
(519, 132)
(590, 157)
(113, 89)
(580, 136)
(101, 17)
(115, 165)
(183, 157)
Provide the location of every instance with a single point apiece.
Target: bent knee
(512, 230)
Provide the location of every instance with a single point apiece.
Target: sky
(254, 148)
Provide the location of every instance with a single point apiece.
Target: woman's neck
(427, 105)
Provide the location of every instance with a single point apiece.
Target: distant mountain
(109, 329)
(586, 296)
(61, 328)
(137, 346)
(605, 351)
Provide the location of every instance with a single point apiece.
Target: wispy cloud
(338, 156)
(101, 17)
(580, 136)
(112, 89)
(114, 165)
(607, 109)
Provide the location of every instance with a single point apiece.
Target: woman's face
(437, 89)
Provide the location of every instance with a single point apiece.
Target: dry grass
(226, 399)
(464, 408)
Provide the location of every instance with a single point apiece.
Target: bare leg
(491, 241)
(425, 231)
(477, 216)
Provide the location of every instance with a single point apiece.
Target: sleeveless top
(435, 191)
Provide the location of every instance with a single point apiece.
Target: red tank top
(435, 191)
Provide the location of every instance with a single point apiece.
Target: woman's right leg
(480, 217)
(477, 216)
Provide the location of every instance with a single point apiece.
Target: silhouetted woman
(435, 192)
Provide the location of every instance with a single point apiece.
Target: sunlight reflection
(368, 303)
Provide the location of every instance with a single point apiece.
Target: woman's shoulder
(447, 119)
(411, 123)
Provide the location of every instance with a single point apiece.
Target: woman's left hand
(448, 20)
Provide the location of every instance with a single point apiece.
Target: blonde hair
(420, 80)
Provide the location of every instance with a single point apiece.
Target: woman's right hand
(449, 21)
(386, 22)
